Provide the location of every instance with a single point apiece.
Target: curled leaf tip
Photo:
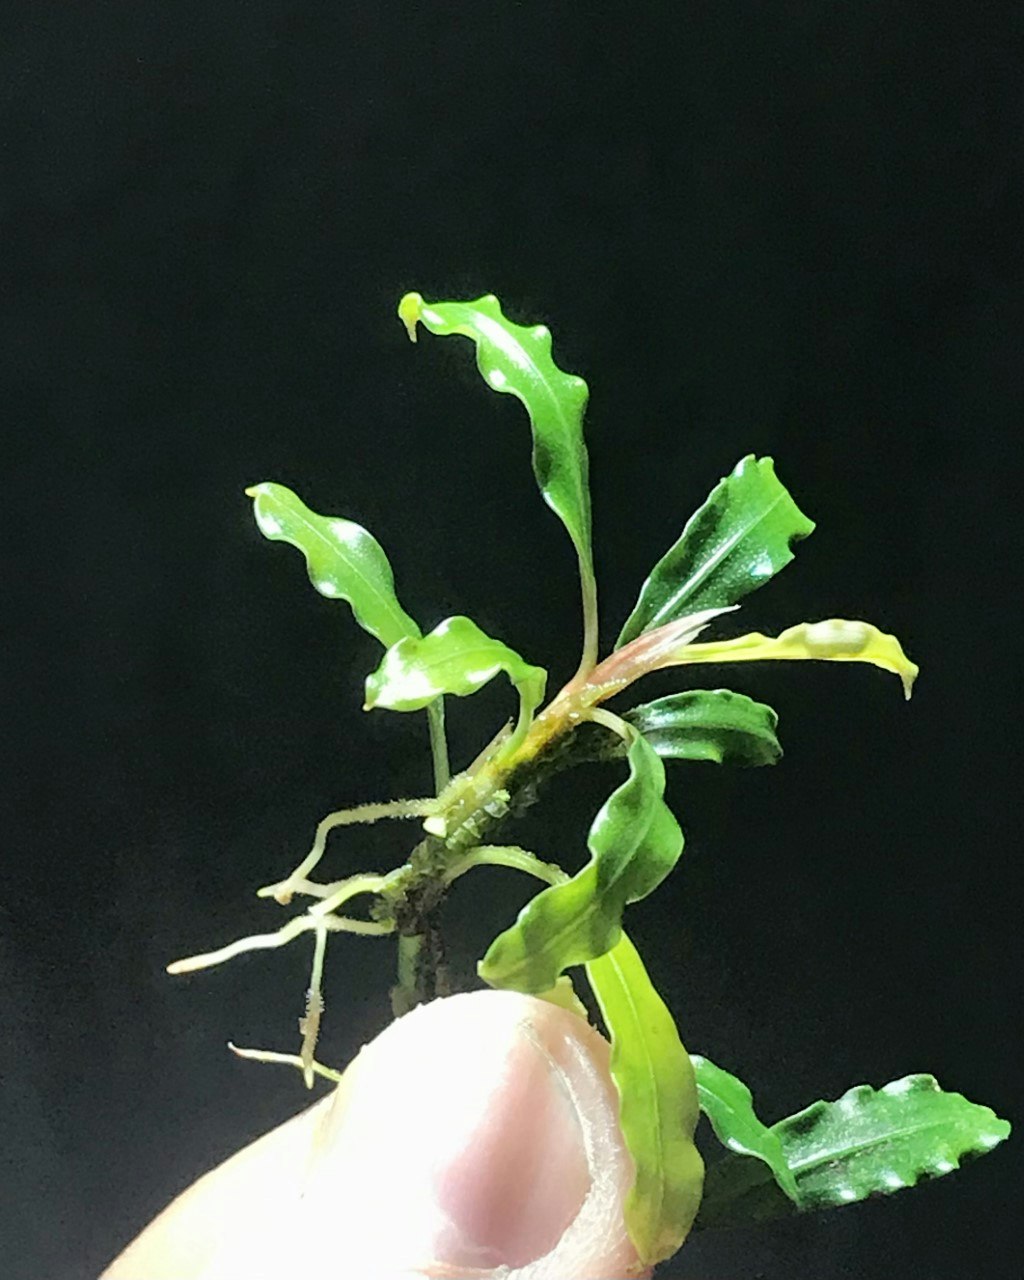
(252, 491)
(409, 311)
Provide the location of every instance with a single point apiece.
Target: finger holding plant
(870, 1140)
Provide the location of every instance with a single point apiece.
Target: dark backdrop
(788, 228)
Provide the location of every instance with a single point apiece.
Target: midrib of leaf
(696, 579)
(492, 328)
(856, 1148)
(337, 545)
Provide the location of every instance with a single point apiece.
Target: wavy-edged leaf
(732, 545)
(343, 560)
(634, 843)
(658, 1107)
(517, 359)
(868, 1142)
(729, 1105)
(709, 724)
(836, 640)
(456, 657)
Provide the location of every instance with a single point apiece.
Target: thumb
(476, 1137)
(476, 1133)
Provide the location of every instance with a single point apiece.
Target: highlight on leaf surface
(658, 1107)
(517, 359)
(343, 560)
(634, 843)
(868, 1142)
(732, 545)
(729, 1105)
(709, 724)
(836, 640)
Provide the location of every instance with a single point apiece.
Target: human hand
(477, 1133)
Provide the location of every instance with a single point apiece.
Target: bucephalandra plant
(869, 1141)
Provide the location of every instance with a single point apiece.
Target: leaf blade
(457, 657)
(739, 538)
(634, 842)
(729, 1106)
(343, 560)
(836, 639)
(867, 1142)
(709, 724)
(517, 359)
(658, 1108)
(885, 1138)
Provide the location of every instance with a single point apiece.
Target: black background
(786, 228)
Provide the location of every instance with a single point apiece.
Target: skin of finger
(242, 1213)
(186, 1239)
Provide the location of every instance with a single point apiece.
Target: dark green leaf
(634, 843)
(709, 724)
(728, 1104)
(657, 1102)
(738, 539)
(343, 560)
(456, 657)
(868, 1142)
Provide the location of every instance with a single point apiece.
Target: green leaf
(563, 994)
(836, 640)
(517, 359)
(456, 657)
(634, 843)
(728, 1104)
(658, 1108)
(732, 545)
(343, 560)
(869, 1142)
(709, 724)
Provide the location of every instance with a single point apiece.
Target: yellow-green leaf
(836, 640)
(658, 1106)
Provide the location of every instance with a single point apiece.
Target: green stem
(409, 991)
(406, 994)
(438, 745)
(588, 584)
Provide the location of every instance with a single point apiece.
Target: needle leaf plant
(868, 1141)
